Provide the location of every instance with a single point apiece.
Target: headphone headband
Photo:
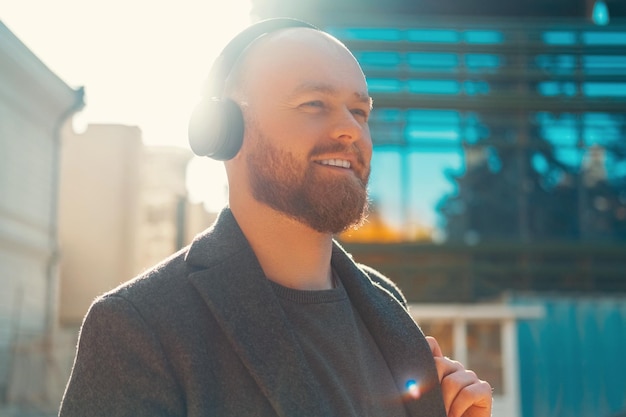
(227, 59)
(216, 127)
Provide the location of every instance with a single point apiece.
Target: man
(264, 314)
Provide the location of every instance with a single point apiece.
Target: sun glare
(142, 63)
(206, 182)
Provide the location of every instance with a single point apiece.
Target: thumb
(434, 347)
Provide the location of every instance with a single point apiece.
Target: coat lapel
(231, 282)
(399, 339)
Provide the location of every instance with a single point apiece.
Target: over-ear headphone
(216, 126)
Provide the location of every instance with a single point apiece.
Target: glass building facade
(484, 133)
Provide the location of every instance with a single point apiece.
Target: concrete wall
(98, 216)
(123, 209)
(163, 200)
(34, 105)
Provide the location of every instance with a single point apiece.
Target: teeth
(336, 163)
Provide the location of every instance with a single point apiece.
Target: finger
(474, 400)
(434, 346)
(446, 366)
(453, 382)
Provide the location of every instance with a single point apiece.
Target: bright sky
(142, 62)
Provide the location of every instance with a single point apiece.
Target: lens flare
(412, 388)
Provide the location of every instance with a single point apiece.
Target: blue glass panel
(432, 61)
(559, 38)
(604, 64)
(475, 132)
(554, 88)
(595, 89)
(433, 127)
(559, 130)
(433, 116)
(602, 128)
(378, 59)
(434, 86)
(615, 166)
(376, 34)
(384, 85)
(471, 134)
(604, 119)
(387, 115)
(387, 127)
(483, 36)
(570, 89)
(387, 134)
(556, 64)
(417, 133)
(432, 35)
(569, 156)
(604, 38)
(482, 62)
(476, 87)
(560, 134)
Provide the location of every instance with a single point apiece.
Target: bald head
(290, 51)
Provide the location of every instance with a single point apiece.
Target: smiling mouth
(341, 163)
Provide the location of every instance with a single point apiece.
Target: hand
(464, 395)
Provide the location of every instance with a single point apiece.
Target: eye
(361, 113)
(314, 103)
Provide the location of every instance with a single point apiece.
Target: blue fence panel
(573, 361)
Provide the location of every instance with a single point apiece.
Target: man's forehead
(304, 60)
(309, 86)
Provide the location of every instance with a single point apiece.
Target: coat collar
(230, 279)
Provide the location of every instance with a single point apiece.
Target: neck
(290, 253)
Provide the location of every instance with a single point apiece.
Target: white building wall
(34, 105)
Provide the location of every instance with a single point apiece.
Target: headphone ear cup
(216, 129)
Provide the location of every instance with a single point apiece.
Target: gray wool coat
(202, 334)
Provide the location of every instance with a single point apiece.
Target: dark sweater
(346, 362)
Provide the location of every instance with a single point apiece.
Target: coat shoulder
(159, 291)
(384, 282)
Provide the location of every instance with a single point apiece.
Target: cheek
(297, 134)
(367, 146)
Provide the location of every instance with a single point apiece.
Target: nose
(348, 128)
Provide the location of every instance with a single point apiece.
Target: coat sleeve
(120, 368)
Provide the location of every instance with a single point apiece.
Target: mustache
(336, 147)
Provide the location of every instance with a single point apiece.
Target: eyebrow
(327, 89)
